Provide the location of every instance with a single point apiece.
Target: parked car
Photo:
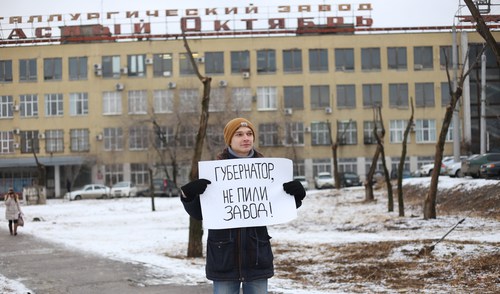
(324, 180)
(406, 174)
(454, 169)
(165, 188)
(471, 166)
(92, 191)
(490, 170)
(303, 181)
(124, 189)
(349, 179)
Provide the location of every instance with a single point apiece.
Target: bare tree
(41, 178)
(430, 199)
(380, 146)
(401, 206)
(195, 246)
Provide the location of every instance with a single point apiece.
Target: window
(322, 165)
(240, 61)
(347, 133)
(267, 98)
(137, 102)
(423, 160)
(348, 165)
(214, 138)
(214, 62)
(320, 134)
(5, 70)
(446, 56)
(292, 61)
(79, 140)
(27, 70)
(395, 164)
(396, 58)
(164, 137)
(294, 97)
(29, 141)
(266, 61)
(346, 96)
(113, 173)
(217, 100)
(424, 94)
(53, 104)
(299, 168)
(320, 96)
(445, 94)
(425, 130)
(28, 105)
(111, 67)
(370, 58)
(186, 68)
(241, 99)
(54, 141)
(163, 101)
(6, 106)
(77, 68)
(187, 136)
(344, 59)
(52, 69)
(422, 57)
(138, 138)
(372, 95)
(139, 173)
(449, 135)
(6, 142)
(396, 130)
(318, 60)
(188, 100)
(113, 139)
(368, 131)
(136, 65)
(268, 134)
(78, 104)
(398, 95)
(294, 133)
(111, 103)
(162, 65)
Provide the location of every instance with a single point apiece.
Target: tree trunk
(195, 246)
(380, 147)
(401, 206)
(369, 178)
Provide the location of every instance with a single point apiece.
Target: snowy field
(128, 230)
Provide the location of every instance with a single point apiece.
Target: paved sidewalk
(48, 268)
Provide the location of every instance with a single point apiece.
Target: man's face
(242, 141)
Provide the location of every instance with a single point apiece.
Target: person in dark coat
(238, 257)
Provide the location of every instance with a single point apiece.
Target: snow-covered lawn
(334, 230)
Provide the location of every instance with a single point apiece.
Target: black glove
(194, 188)
(296, 189)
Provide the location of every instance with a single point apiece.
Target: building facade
(104, 112)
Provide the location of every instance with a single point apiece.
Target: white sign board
(246, 192)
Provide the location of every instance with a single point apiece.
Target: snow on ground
(128, 230)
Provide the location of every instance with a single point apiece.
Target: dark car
(490, 170)
(165, 188)
(349, 179)
(471, 166)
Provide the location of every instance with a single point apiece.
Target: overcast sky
(386, 13)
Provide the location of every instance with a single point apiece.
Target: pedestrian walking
(12, 211)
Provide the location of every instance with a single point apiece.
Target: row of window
(267, 98)
(213, 63)
(269, 135)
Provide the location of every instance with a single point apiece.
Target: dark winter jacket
(240, 254)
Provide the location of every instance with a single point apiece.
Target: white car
(324, 180)
(124, 189)
(92, 191)
(454, 170)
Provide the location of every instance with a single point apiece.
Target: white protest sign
(246, 192)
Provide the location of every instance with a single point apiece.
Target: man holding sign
(237, 198)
